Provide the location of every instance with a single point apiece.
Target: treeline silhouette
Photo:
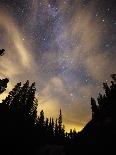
(23, 131)
(99, 135)
(20, 124)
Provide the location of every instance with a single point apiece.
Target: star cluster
(66, 46)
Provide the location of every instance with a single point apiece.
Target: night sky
(66, 46)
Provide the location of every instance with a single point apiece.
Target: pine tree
(46, 124)
(56, 128)
(114, 77)
(94, 108)
(2, 52)
(12, 94)
(106, 88)
(3, 85)
(60, 125)
(60, 121)
(53, 125)
(24, 93)
(70, 134)
(31, 102)
(41, 119)
(100, 100)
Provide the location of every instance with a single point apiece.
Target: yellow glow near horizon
(72, 126)
(51, 108)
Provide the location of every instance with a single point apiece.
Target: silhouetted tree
(60, 126)
(106, 88)
(53, 125)
(41, 119)
(31, 102)
(100, 100)
(2, 52)
(50, 128)
(46, 123)
(60, 121)
(113, 77)
(94, 108)
(3, 84)
(12, 94)
(56, 127)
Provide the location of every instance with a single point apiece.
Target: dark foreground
(23, 132)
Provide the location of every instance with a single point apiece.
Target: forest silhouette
(22, 131)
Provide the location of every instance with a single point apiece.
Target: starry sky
(66, 46)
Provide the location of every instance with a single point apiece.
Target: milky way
(66, 46)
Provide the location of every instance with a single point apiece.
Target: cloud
(50, 107)
(79, 43)
(17, 57)
(61, 64)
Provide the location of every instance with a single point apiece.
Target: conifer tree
(94, 108)
(12, 94)
(60, 121)
(46, 124)
(106, 88)
(60, 125)
(100, 100)
(3, 85)
(31, 102)
(53, 125)
(56, 127)
(41, 119)
(114, 77)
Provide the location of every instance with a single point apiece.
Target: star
(66, 47)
